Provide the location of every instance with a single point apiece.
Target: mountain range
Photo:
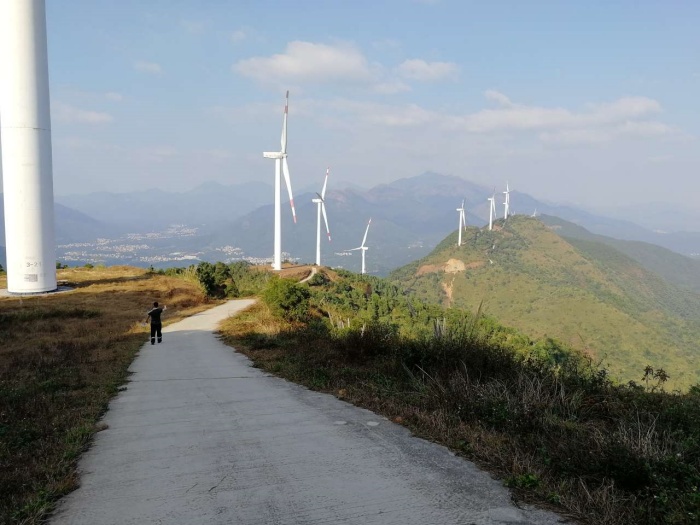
(581, 290)
(152, 209)
(71, 224)
(409, 218)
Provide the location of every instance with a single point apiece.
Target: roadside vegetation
(62, 357)
(551, 423)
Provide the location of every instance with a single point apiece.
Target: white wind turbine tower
(281, 166)
(321, 208)
(363, 247)
(26, 168)
(492, 209)
(506, 204)
(462, 223)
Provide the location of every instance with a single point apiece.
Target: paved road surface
(201, 437)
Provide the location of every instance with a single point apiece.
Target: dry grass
(62, 357)
(599, 453)
(298, 272)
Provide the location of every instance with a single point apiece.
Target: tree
(288, 299)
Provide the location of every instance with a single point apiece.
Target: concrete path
(200, 436)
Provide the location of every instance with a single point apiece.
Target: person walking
(156, 325)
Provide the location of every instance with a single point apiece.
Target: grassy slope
(588, 295)
(62, 357)
(678, 269)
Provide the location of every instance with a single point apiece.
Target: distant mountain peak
(208, 187)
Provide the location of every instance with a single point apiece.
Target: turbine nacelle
(277, 155)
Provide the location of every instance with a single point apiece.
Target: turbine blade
(325, 219)
(283, 140)
(325, 183)
(285, 169)
(365, 237)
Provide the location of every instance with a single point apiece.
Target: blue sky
(584, 102)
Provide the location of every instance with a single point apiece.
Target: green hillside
(678, 269)
(582, 292)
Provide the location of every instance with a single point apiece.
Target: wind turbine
(492, 209)
(506, 204)
(281, 166)
(321, 208)
(462, 223)
(363, 247)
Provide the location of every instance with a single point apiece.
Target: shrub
(216, 279)
(319, 279)
(287, 299)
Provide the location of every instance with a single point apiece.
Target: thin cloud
(630, 117)
(148, 67)
(512, 116)
(216, 154)
(158, 153)
(606, 134)
(422, 71)
(239, 35)
(193, 27)
(116, 97)
(390, 87)
(66, 113)
(304, 62)
(497, 97)
(387, 44)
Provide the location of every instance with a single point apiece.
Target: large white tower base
(25, 134)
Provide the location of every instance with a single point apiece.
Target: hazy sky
(584, 102)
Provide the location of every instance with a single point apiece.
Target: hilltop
(585, 293)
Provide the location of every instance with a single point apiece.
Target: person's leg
(160, 334)
(153, 334)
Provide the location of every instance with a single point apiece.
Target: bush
(287, 299)
(319, 279)
(216, 280)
